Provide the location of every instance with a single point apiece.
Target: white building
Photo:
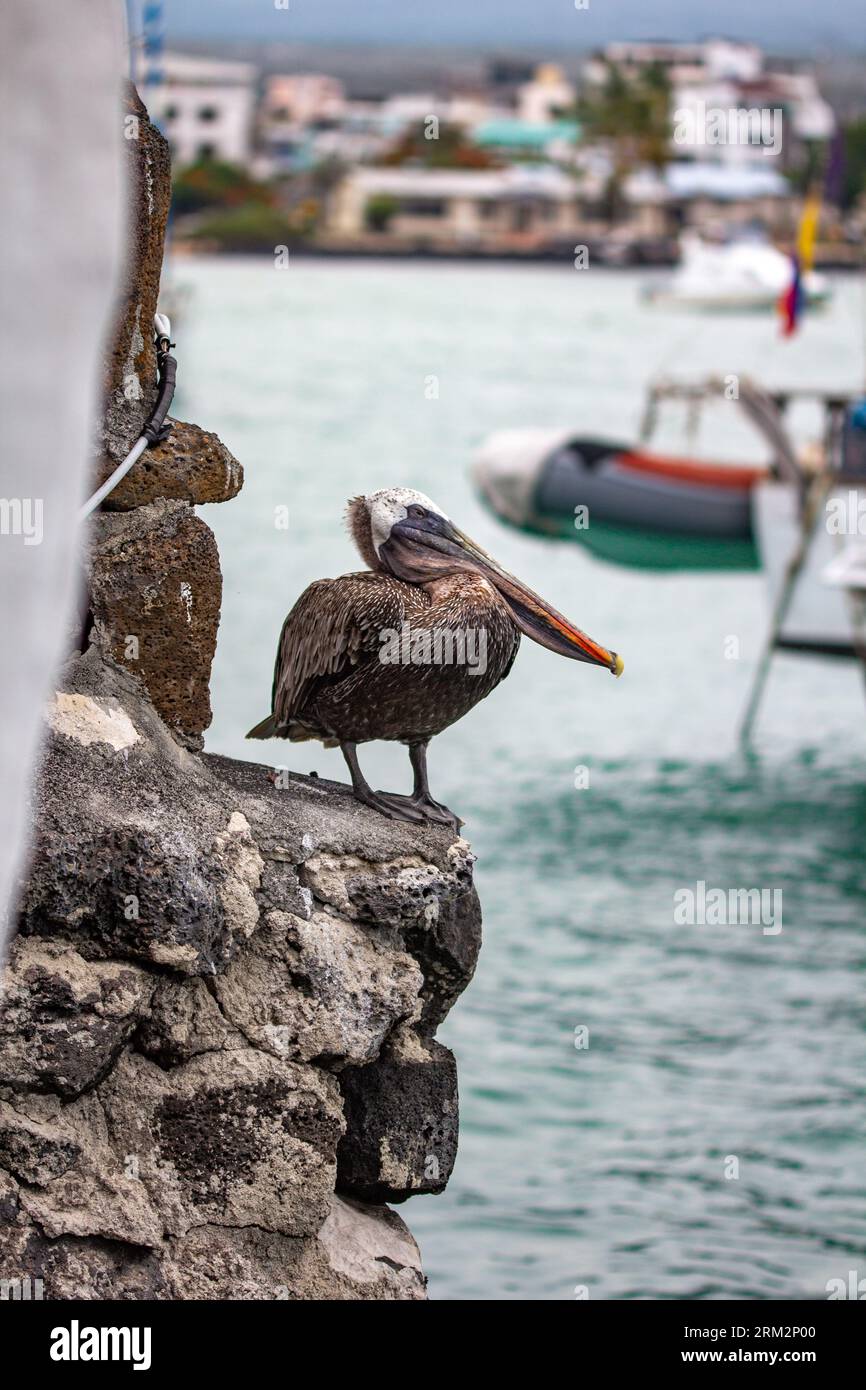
(297, 110)
(757, 119)
(683, 62)
(205, 107)
(460, 207)
(711, 121)
(548, 97)
(303, 98)
(406, 109)
(812, 117)
(724, 58)
(726, 104)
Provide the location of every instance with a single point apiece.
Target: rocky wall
(217, 1052)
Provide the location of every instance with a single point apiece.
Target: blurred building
(726, 87)
(515, 167)
(707, 196)
(548, 97)
(295, 109)
(205, 108)
(792, 109)
(520, 205)
(407, 108)
(303, 98)
(681, 62)
(512, 138)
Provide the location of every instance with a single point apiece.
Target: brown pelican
(408, 646)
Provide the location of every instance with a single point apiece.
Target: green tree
(249, 227)
(448, 149)
(379, 210)
(210, 183)
(854, 162)
(632, 116)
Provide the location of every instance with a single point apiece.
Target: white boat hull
(733, 303)
(743, 276)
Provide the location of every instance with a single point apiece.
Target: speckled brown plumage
(404, 650)
(329, 680)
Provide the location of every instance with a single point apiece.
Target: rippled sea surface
(589, 802)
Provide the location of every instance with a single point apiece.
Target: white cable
(162, 333)
(110, 484)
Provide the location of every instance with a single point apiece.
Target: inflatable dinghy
(626, 504)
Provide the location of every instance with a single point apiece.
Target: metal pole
(812, 513)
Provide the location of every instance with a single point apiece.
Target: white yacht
(745, 274)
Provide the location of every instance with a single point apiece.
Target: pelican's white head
(392, 504)
(371, 519)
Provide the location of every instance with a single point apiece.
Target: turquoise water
(603, 1167)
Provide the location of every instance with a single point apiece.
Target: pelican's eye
(418, 512)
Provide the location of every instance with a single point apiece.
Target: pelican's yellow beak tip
(618, 666)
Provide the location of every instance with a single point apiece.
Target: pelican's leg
(432, 810)
(377, 800)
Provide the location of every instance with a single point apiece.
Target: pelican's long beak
(533, 615)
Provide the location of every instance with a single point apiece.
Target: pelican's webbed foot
(434, 810)
(418, 807)
(431, 809)
(421, 798)
(395, 808)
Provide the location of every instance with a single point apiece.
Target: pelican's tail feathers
(266, 729)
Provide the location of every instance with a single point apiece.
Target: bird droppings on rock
(89, 721)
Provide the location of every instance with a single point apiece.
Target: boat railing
(767, 410)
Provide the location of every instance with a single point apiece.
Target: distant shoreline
(555, 257)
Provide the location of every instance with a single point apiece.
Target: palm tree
(632, 116)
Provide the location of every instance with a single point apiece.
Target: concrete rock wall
(154, 575)
(217, 1053)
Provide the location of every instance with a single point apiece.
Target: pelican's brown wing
(335, 625)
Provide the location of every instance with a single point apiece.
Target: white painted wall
(204, 102)
(60, 174)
